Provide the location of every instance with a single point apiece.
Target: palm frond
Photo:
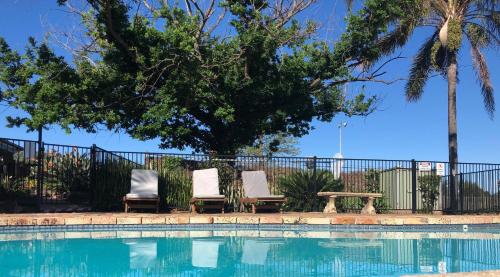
(397, 38)
(492, 22)
(440, 8)
(420, 70)
(483, 77)
(439, 60)
(480, 35)
(486, 5)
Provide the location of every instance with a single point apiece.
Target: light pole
(341, 125)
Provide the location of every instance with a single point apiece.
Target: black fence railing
(97, 178)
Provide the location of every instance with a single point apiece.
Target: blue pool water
(245, 253)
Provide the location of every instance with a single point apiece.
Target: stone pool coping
(50, 219)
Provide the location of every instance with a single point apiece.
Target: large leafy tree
(277, 144)
(203, 74)
(383, 26)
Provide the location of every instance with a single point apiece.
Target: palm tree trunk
(452, 127)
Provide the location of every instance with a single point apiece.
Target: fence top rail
(14, 139)
(66, 145)
(236, 157)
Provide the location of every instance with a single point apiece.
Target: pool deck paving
(93, 218)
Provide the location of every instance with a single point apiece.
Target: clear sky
(397, 130)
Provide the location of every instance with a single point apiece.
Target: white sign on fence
(440, 169)
(424, 166)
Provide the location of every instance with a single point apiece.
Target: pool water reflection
(212, 253)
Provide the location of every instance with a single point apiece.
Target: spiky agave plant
(451, 20)
(301, 189)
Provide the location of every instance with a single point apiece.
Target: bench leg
(330, 207)
(193, 208)
(368, 208)
(126, 207)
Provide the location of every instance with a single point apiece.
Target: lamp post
(341, 125)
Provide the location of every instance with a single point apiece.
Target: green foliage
(39, 83)
(112, 183)
(175, 185)
(479, 36)
(372, 178)
(269, 145)
(301, 189)
(383, 26)
(67, 175)
(438, 58)
(473, 189)
(429, 187)
(16, 190)
(166, 75)
(454, 34)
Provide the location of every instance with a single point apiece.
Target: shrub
(68, 175)
(112, 183)
(429, 186)
(372, 178)
(175, 185)
(301, 189)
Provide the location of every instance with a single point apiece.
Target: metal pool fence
(42, 173)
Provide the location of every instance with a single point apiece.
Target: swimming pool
(244, 252)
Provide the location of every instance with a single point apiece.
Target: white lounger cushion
(255, 185)
(206, 183)
(144, 183)
(142, 196)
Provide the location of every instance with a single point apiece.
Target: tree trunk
(452, 127)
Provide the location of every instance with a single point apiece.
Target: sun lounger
(257, 194)
(143, 190)
(206, 192)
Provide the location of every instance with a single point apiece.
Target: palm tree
(450, 20)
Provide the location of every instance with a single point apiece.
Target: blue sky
(397, 130)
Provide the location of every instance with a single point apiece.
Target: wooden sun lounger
(265, 203)
(141, 203)
(206, 193)
(257, 193)
(205, 203)
(143, 191)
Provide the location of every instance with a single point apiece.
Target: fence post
(314, 164)
(413, 186)
(316, 203)
(93, 167)
(461, 192)
(39, 173)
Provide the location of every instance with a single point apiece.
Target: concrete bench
(367, 209)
